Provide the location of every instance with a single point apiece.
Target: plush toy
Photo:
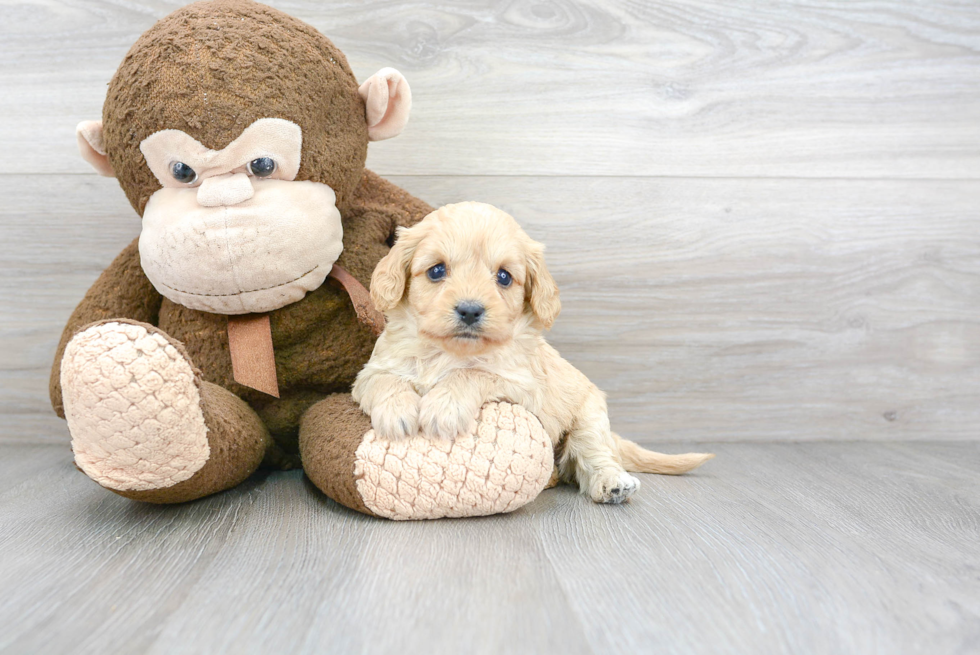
(228, 335)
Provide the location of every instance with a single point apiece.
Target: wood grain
(581, 87)
(769, 549)
(812, 548)
(706, 309)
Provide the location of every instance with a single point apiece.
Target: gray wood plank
(272, 566)
(706, 309)
(22, 462)
(771, 548)
(813, 548)
(887, 89)
(368, 586)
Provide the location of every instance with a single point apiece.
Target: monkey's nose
(223, 190)
(469, 312)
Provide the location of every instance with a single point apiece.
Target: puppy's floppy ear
(391, 274)
(541, 290)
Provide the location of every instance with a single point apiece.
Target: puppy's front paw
(443, 416)
(397, 417)
(612, 486)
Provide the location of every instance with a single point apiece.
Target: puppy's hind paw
(613, 488)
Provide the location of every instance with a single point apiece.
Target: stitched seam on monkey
(232, 295)
(231, 260)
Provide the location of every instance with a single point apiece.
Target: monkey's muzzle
(254, 256)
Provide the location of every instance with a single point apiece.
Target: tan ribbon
(253, 361)
(366, 312)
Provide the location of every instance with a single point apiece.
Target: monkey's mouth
(239, 293)
(255, 256)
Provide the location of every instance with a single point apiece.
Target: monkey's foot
(133, 405)
(500, 466)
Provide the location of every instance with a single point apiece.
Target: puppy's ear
(542, 292)
(391, 274)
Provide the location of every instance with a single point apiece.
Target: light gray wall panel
(748, 309)
(562, 87)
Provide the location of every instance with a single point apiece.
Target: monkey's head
(239, 135)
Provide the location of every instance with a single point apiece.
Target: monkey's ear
(391, 274)
(542, 290)
(90, 144)
(388, 100)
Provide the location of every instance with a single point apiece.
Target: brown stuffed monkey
(229, 333)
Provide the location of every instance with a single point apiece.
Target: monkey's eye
(262, 167)
(182, 172)
(437, 272)
(503, 278)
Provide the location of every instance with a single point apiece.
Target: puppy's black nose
(469, 312)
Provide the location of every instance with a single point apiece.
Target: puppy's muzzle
(470, 313)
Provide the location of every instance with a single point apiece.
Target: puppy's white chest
(430, 371)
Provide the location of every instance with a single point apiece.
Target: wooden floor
(812, 548)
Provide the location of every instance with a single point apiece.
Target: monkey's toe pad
(133, 407)
(500, 467)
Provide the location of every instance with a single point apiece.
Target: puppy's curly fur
(467, 294)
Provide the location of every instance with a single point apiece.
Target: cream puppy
(467, 294)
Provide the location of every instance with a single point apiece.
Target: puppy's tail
(641, 460)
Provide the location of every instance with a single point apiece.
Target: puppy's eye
(182, 172)
(262, 167)
(503, 278)
(437, 272)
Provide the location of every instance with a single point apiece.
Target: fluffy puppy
(467, 294)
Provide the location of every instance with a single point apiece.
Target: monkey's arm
(375, 194)
(122, 291)
(377, 208)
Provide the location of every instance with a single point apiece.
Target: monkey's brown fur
(210, 70)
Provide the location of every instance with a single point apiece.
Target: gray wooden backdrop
(764, 217)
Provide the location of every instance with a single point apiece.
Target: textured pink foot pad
(133, 408)
(500, 467)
